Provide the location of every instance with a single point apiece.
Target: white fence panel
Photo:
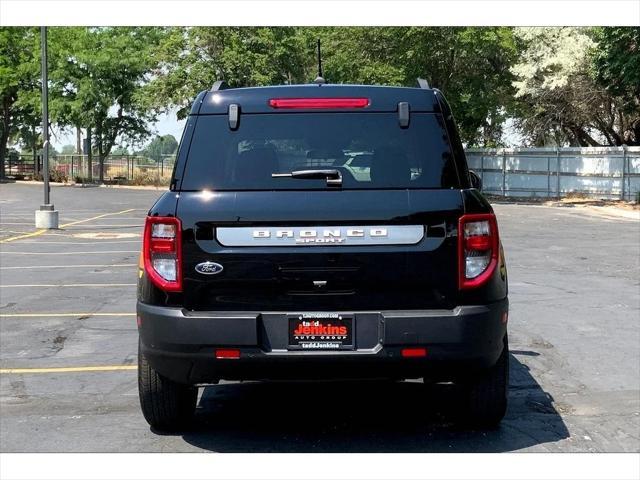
(604, 172)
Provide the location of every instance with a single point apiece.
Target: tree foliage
(191, 59)
(617, 62)
(160, 146)
(19, 69)
(469, 64)
(558, 86)
(559, 100)
(68, 149)
(96, 80)
(617, 70)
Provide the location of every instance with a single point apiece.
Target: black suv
(321, 231)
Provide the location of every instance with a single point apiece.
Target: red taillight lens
(162, 252)
(413, 352)
(478, 246)
(227, 353)
(319, 103)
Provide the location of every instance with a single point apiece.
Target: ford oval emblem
(209, 268)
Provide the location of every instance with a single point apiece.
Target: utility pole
(89, 152)
(47, 216)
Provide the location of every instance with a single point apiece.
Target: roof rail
(422, 83)
(219, 85)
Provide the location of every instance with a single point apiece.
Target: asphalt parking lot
(68, 346)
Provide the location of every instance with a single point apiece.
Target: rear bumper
(181, 345)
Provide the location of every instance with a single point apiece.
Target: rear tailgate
(387, 249)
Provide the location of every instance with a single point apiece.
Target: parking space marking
(71, 266)
(40, 232)
(16, 223)
(96, 217)
(70, 253)
(50, 315)
(98, 242)
(72, 235)
(18, 237)
(97, 368)
(120, 225)
(71, 285)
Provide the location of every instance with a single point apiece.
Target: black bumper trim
(181, 344)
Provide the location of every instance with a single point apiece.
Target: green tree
(97, 80)
(191, 59)
(120, 150)
(19, 73)
(469, 64)
(159, 146)
(617, 69)
(68, 149)
(560, 102)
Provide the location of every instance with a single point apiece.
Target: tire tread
(166, 405)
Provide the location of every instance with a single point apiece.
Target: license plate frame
(321, 331)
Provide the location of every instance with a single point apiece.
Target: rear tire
(486, 393)
(166, 405)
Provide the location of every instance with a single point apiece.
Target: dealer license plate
(321, 331)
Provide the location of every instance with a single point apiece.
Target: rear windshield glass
(369, 149)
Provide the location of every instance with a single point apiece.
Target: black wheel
(166, 405)
(486, 393)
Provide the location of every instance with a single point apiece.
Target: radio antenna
(319, 79)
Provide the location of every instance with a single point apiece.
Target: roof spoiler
(422, 83)
(219, 85)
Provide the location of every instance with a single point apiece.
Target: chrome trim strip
(345, 235)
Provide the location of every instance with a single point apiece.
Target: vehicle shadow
(367, 416)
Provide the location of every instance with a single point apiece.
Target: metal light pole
(47, 216)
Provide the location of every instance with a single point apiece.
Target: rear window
(369, 149)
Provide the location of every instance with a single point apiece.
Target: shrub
(58, 176)
(149, 177)
(54, 176)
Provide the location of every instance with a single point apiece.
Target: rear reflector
(227, 353)
(414, 352)
(328, 103)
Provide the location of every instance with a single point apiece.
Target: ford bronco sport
(332, 226)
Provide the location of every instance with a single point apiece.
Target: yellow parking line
(99, 368)
(70, 285)
(40, 232)
(89, 314)
(33, 234)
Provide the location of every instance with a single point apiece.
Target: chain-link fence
(75, 168)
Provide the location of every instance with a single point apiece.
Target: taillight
(306, 103)
(478, 245)
(162, 252)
